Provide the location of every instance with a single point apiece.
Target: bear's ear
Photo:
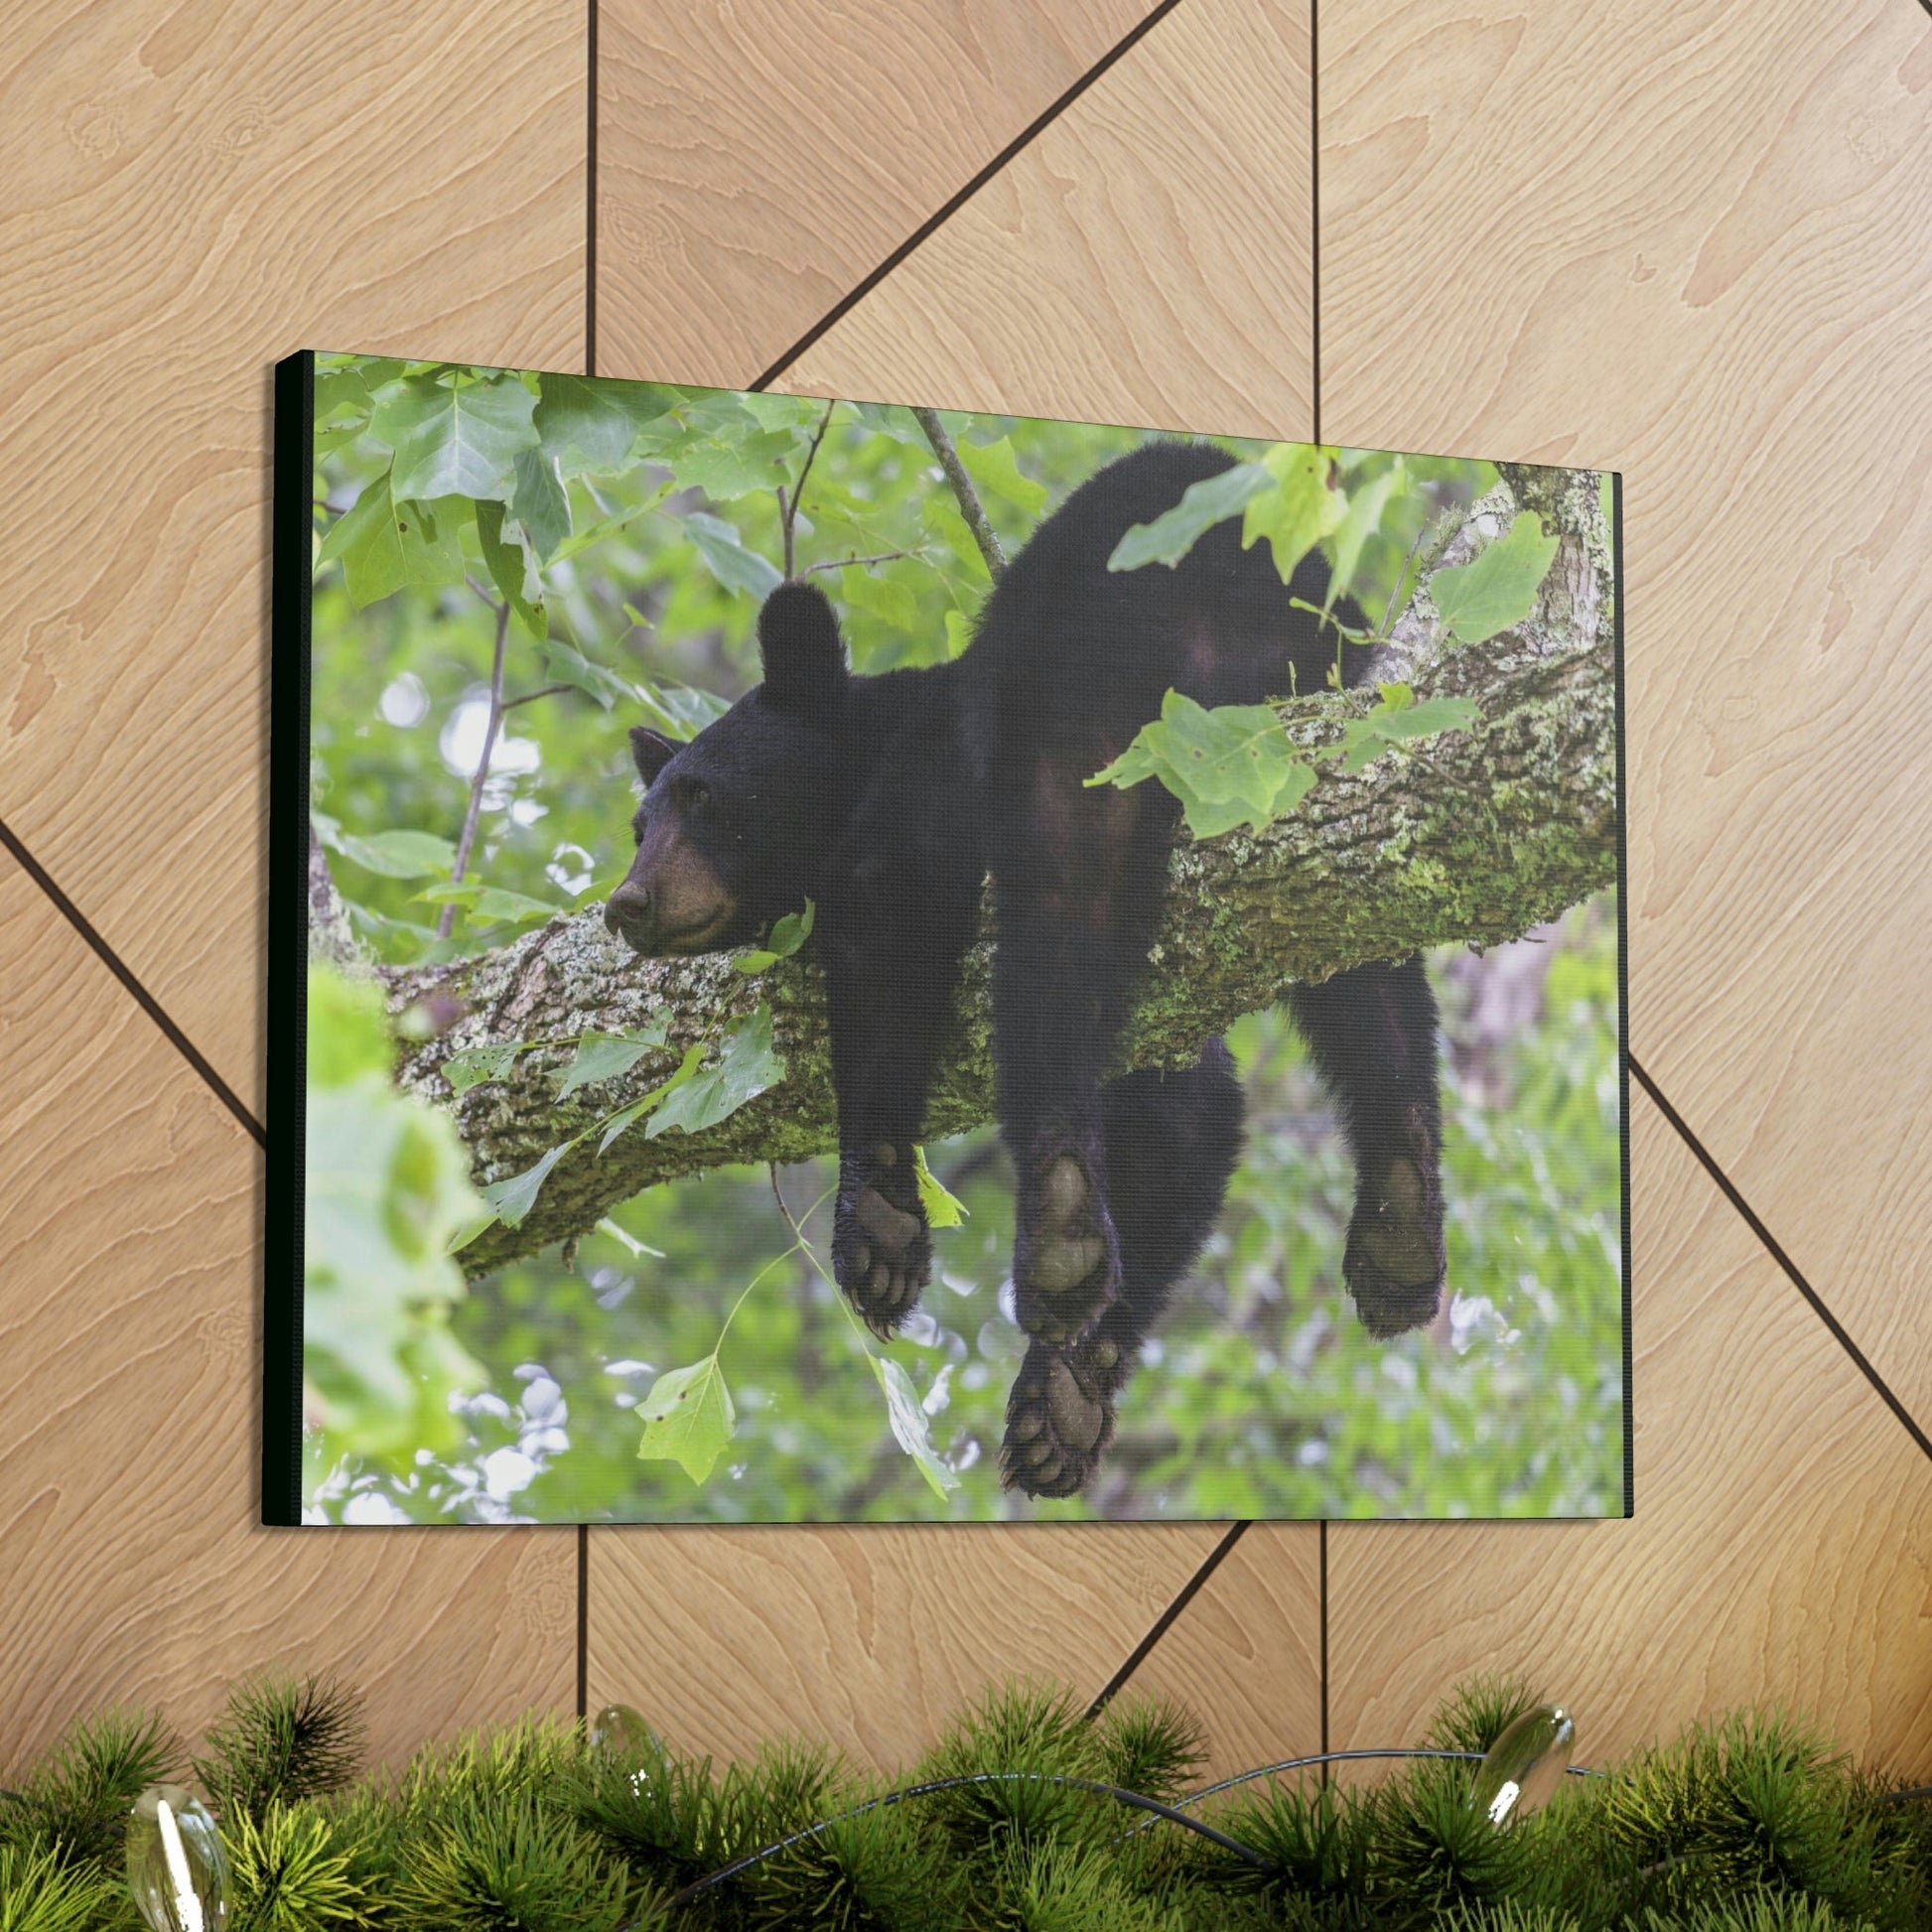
(653, 750)
(804, 655)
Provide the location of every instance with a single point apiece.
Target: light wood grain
(869, 1637)
(194, 191)
(1245, 1655)
(1781, 1548)
(130, 1270)
(1145, 260)
(1689, 244)
(756, 161)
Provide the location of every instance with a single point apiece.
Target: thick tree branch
(1476, 837)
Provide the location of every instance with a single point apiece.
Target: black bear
(890, 799)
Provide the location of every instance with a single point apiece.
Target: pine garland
(1750, 1825)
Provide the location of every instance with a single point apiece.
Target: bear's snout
(630, 914)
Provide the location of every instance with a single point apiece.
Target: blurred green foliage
(619, 539)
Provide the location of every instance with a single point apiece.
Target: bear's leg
(1078, 878)
(1173, 1141)
(889, 986)
(1372, 1035)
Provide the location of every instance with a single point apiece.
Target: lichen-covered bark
(1476, 836)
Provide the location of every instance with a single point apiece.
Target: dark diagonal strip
(965, 195)
(590, 202)
(1314, 255)
(1138, 1654)
(142, 996)
(1783, 1260)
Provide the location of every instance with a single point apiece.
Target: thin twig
(446, 920)
(788, 507)
(839, 563)
(530, 697)
(962, 487)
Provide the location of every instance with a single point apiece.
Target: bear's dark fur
(888, 800)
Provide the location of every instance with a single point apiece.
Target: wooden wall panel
(130, 1269)
(1781, 1549)
(1691, 244)
(1245, 1654)
(1146, 259)
(756, 162)
(193, 190)
(869, 1637)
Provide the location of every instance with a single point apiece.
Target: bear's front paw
(1395, 1262)
(1065, 1255)
(882, 1250)
(1060, 1417)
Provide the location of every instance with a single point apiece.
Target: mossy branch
(1473, 837)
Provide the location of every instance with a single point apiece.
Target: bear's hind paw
(882, 1249)
(1060, 1417)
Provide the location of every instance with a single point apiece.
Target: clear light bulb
(1523, 1765)
(621, 1736)
(175, 1866)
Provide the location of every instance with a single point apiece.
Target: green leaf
(540, 503)
(886, 598)
(348, 1029)
(602, 1057)
(688, 1417)
(399, 854)
(514, 1198)
(1498, 589)
(1398, 719)
(726, 557)
(456, 438)
(580, 417)
(483, 901)
(995, 468)
(1360, 522)
(910, 1423)
(1297, 509)
(1172, 534)
(564, 665)
(942, 1209)
(505, 564)
(787, 935)
(365, 540)
(628, 1116)
(431, 538)
(387, 1184)
(1434, 715)
(477, 1066)
(959, 632)
(1229, 767)
(726, 469)
(748, 1066)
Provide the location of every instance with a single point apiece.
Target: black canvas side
(288, 939)
(1623, 982)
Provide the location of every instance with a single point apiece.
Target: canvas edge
(288, 951)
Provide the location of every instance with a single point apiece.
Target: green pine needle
(281, 1739)
(40, 1892)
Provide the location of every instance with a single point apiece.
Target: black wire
(1138, 1800)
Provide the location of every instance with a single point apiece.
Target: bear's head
(732, 825)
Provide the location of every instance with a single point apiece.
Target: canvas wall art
(839, 961)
